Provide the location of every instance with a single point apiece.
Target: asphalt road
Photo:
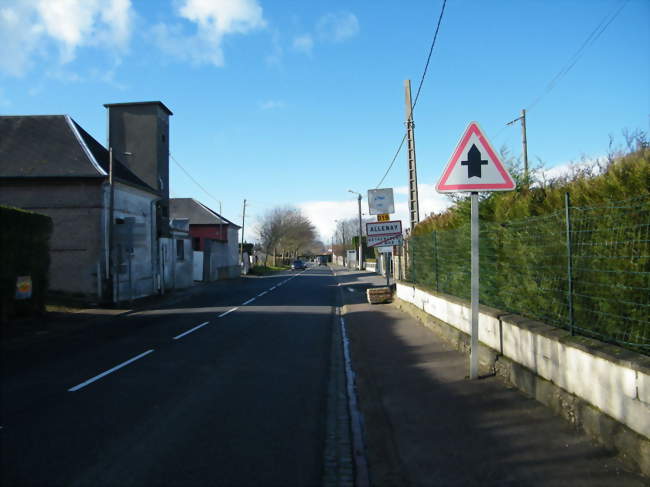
(224, 388)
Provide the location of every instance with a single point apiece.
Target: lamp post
(360, 255)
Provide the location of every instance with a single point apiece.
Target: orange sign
(383, 217)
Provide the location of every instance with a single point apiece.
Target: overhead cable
(194, 180)
(417, 95)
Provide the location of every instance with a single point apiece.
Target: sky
(289, 102)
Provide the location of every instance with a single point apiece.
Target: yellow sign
(383, 217)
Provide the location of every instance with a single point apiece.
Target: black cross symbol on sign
(474, 162)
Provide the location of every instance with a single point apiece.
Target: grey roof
(136, 103)
(197, 212)
(55, 146)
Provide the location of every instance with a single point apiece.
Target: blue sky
(295, 102)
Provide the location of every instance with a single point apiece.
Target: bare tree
(286, 230)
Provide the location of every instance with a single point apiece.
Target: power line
(591, 38)
(193, 180)
(417, 95)
(573, 60)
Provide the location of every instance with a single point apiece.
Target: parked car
(297, 264)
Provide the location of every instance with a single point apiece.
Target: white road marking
(117, 367)
(191, 330)
(272, 288)
(228, 312)
(262, 294)
(350, 289)
(248, 302)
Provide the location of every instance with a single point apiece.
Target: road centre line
(249, 301)
(117, 367)
(272, 288)
(262, 294)
(228, 312)
(191, 330)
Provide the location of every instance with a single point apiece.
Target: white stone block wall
(616, 387)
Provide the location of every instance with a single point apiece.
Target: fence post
(435, 258)
(413, 271)
(567, 207)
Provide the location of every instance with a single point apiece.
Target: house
(109, 207)
(214, 240)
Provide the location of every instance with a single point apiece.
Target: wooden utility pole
(414, 207)
(243, 222)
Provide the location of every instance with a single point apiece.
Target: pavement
(426, 424)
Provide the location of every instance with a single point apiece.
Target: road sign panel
(384, 234)
(474, 166)
(384, 240)
(384, 228)
(381, 201)
(383, 217)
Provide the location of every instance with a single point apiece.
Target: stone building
(107, 238)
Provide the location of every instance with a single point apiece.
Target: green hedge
(24, 251)
(524, 253)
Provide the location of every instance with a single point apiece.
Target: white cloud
(323, 213)
(271, 104)
(213, 19)
(569, 169)
(274, 58)
(303, 43)
(337, 27)
(29, 27)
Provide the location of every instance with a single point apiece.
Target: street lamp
(360, 255)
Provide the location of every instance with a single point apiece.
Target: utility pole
(241, 247)
(524, 141)
(414, 207)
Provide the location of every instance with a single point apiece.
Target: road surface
(225, 388)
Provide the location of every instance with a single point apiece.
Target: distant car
(297, 264)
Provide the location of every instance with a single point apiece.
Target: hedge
(24, 251)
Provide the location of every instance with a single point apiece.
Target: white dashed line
(191, 330)
(228, 312)
(248, 302)
(272, 288)
(117, 367)
(262, 294)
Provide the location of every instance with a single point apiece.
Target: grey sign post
(474, 167)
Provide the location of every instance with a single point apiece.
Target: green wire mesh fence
(524, 269)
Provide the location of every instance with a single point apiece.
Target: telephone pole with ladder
(414, 207)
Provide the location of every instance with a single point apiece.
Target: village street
(239, 400)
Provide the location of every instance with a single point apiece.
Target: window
(180, 250)
(196, 243)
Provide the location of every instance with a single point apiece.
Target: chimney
(142, 130)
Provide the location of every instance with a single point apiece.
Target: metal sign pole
(473, 359)
(386, 254)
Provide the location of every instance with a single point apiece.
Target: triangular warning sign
(474, 166)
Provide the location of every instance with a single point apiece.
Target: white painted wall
(618, 388)
(132, 202)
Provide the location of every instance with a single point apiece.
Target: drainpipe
(111, 206)
(155, 250)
